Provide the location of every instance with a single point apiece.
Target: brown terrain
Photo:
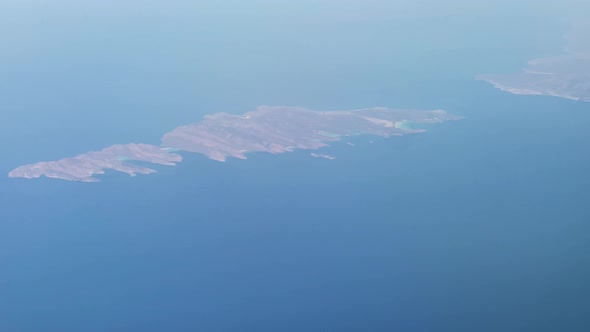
(565, 76)
(83, 167)
(221, 136)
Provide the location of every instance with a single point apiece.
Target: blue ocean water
(476, 225)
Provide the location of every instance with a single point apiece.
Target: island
(566, 75)
(322, 156)
(117, 157)
(270, 129)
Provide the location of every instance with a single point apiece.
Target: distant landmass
(219, 136)
(566, 75)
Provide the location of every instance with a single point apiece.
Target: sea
(480, 224)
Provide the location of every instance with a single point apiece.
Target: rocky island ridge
(220, 136)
